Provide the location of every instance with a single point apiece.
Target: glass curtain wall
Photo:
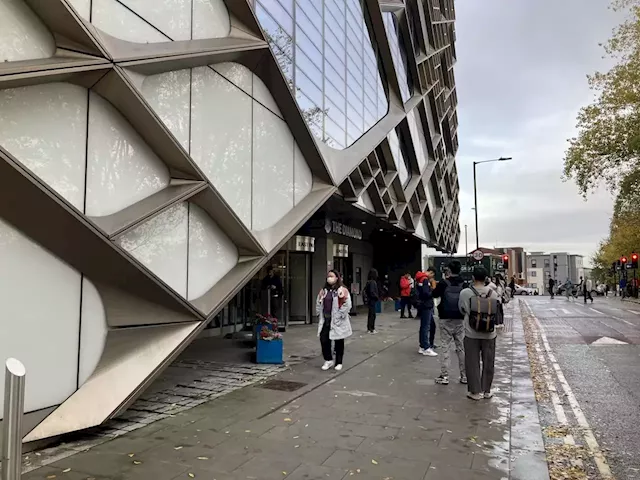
(398, 54)
(326, 54)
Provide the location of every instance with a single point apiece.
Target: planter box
(269, 351)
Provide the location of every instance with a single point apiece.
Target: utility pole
(466, 242)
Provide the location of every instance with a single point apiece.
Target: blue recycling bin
(269, 351)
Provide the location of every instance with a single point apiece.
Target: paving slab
(382, 417)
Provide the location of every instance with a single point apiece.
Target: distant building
(559, 265)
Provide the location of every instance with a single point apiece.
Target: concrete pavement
(380, 418)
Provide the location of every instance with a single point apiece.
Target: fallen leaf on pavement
(136, 462)
(178, 448)
(191, 475)
(131, 455)
(247, 431)
(66, 470)
(374, 462)
(203, 458)
(296, 446)
(51, 477)
(287, 419)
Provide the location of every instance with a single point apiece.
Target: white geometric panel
(39, 318)
(236, 73)
(161, 245)
(145, 21)
(116, 20)
(365, 202)
(421, 229)
(431, 198)
(262, 94)
(210, 19)
(22, 34)
(44, 127)
(302, 178)
(171, 17)
(93, 331)
(211, 253)
(122, 169)
(168, 93)
(221, 137)
(417, 135)
(398, 157)
(83, 7)
(272, 168)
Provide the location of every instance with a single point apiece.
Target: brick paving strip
(381, 418)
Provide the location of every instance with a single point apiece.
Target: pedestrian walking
(425, 311)
(371, 297)
(552, 283)
(586, 290)
(568, 289)
(512, 286)
(405, 295)
(503, 298)
(451, 321)
(333, 305)
(479, 304)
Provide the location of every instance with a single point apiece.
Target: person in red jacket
(406, 285)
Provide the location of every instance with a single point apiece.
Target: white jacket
(340, 321)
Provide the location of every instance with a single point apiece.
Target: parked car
(520, 290)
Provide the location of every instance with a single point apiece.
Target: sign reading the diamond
(331, 226)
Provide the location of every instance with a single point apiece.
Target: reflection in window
(417, 135)
(398, 54)
(398, 157)
(329, 61)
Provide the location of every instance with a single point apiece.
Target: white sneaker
(430, 353)
(327, 365)
(421, 351)
(474, 396)
(488, 395)
(339, 367)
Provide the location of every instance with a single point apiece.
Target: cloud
(521, 80)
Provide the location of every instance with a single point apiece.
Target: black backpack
(450, 299)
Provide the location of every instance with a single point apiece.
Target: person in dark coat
(425, 312)
(371, 297)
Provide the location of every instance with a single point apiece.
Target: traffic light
(634, 260)
(505, 262)
(623, 261)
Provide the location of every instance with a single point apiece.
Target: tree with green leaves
(607, 147)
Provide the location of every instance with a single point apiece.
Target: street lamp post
(475, 189)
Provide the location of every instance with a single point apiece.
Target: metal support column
(14, 385)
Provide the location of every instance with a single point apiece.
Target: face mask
(331, 280)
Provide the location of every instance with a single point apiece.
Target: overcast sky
(521, 79)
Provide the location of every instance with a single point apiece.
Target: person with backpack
(451, 321)
(552, 283)
(424, 305)
(371, 298)
(479, 304)
(405, 294)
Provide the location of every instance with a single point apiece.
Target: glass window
(398, 54)
(331, 70)
(534, 263)
(398, 157)
(417, 135)
(546, 262)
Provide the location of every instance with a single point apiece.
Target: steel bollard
(14, 385)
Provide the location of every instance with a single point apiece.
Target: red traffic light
(623, 260)
(634, 257)
(505, 258)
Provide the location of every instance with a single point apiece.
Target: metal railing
(14, 386)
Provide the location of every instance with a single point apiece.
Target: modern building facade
(559, 265)
(155, 157)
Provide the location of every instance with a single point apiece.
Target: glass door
(299, 281)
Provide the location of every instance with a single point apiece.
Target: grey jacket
(340, 322)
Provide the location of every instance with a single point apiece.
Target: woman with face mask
(332, 307)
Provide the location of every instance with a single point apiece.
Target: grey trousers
(451, 332)
(480, 349)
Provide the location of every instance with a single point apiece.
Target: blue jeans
(426, 317)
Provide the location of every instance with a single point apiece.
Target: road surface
(596, 349)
